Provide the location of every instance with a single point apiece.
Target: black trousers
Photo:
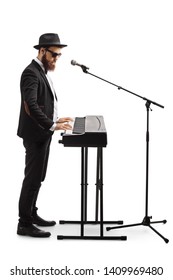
(36, 160)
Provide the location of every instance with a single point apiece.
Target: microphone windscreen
(73, 62)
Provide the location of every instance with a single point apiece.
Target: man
(37, 122)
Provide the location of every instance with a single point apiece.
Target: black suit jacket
(37, 104)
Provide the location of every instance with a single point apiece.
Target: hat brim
(37, 47)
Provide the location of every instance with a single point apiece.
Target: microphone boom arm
(84, 68)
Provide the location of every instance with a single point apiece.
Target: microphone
(84, 68)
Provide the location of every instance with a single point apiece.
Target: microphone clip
(84, 68)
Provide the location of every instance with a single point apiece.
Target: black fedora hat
(49, 39)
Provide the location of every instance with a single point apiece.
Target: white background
(129, 43)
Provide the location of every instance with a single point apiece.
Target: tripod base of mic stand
(146, 222)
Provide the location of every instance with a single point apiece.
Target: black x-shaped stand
(99, 201)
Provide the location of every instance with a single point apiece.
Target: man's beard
(47, 65)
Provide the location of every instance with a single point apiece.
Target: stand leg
(100, 151)
(99, 187)
(84, 183)
(158, 233)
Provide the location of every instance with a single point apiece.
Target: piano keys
(86, 131)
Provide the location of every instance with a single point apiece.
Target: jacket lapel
(42, 74)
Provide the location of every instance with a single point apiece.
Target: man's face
(49, 58)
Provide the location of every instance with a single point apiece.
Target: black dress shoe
(41, 222)
(31, 231)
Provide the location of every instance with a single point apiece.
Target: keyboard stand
(99, 201)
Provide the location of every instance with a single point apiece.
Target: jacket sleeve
(34, 104)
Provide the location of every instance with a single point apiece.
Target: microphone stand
(147, 219)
